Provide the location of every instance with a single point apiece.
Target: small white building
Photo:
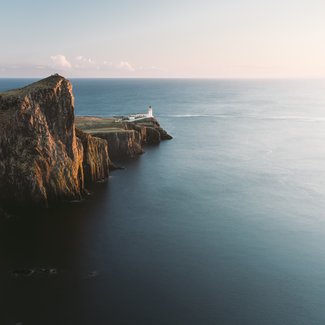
(141, 116)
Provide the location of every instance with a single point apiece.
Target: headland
(48, 155)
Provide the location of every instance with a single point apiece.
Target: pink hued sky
(163, 39)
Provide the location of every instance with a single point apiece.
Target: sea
(223, 225)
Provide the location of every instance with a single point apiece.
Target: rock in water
(41, 158)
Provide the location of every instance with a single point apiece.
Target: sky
(163, 38)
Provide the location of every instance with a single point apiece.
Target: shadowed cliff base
(44, 158)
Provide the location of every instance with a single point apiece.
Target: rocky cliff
(41, 158)
(122, 144)
(150, 131)
(96, 161)
(125, 139)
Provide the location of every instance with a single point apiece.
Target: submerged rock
(35, 272)
(23, 272)
(92, 274)
(50, 271)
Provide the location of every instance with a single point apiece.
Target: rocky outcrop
(95, 157)
(125, 139)
(148, 134)
(122, 144)
(150, 130)
(41, 158)
(40, 155)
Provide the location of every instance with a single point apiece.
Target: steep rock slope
(96, 161)
(122, 144)
(41, 158)
(125, 139)
(150, 130)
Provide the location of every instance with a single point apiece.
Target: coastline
(48, 155)
(126, 139)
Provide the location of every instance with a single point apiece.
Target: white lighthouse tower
(150, 112)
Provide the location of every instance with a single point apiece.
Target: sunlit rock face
(122, 144)
(125, 139)
(96, 161)
(41, 158)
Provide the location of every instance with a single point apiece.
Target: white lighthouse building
(150, 112)
(141, 116)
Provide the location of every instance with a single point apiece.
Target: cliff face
(125, 139)
(41, 158)
(122, 144)
(147, 134)
(150, 131)
(95, 157)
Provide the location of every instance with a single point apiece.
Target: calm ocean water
(225, 224)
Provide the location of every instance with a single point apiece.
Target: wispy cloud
(83, 62)
(125, 65)
(60, 61)
(80, 65)
(83, 59)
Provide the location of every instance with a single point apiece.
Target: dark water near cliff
(225, 224)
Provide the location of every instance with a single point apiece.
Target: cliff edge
(41, 158)
(125, 139)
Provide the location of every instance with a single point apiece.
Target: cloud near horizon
(124, 65)
(79, 65)
(83, 59)
(60, 61)
(81, 62)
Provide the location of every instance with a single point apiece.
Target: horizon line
(175, 78)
